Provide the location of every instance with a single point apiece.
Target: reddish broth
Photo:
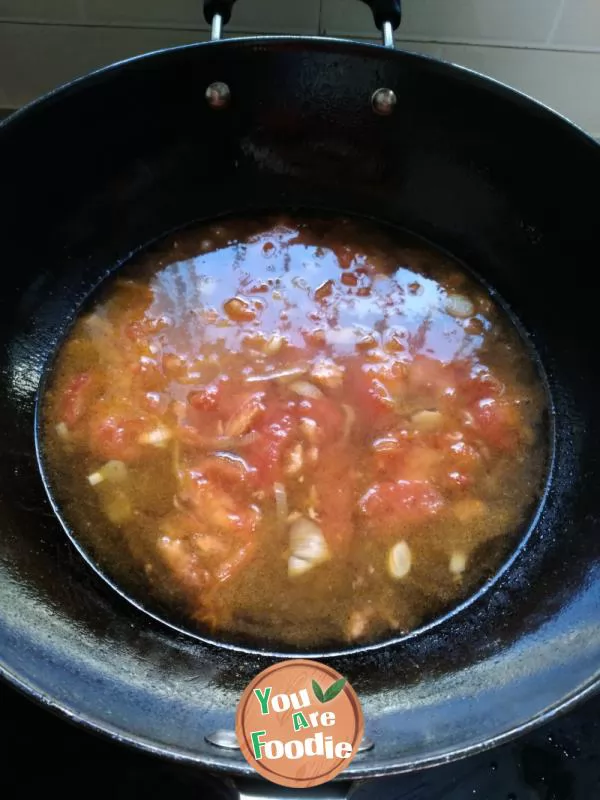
(301, 430)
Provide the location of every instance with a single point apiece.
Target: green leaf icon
(331, 693)
(318, 692)
(334, 690)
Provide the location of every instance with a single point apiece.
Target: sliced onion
(309, 429)
(458, 563)
(306, 389)
(277, 375)
(469, 510)
(95, 478)
(358, 623)
(308, 547)
(191, 436)
(62, 430)
(98, 325)
(281, 503)
(349, 420)
(327, 373)
(399, 560)
(118, 508)
(157, 437)
(386, 444)
(459, 306)
(427, 420)
(114, 471)
(294, 460)
(274, 344)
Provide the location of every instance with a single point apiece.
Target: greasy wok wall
(549, 49)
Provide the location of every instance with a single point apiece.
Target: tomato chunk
(206, 398)
(265, 453)
(75, 398)
(115, 436)
(328, 417)
(371, 395)
(497, 423)
(480, 385)
(402, 501)
(216, 506)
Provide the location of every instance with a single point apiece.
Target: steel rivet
(218, 95)
(365, 745)
(227, 740)
(383, 101)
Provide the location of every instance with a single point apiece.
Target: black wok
(101, 167)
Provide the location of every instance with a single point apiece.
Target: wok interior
(103, 168)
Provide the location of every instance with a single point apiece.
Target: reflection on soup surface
(296, 430)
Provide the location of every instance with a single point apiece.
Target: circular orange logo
(299, 723)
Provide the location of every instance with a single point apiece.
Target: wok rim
(355, 771)
(510, 92)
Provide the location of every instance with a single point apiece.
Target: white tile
(276, 16)
(566, 81)
(579, 25)
(253, 16)
(496, 21)
(40, 10)
(37, 58)
(346, 18)
(144, 13)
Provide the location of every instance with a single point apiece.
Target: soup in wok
(295, 429)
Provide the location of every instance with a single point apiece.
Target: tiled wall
(547, 48)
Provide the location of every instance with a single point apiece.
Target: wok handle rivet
(383, 101)
(218, 95)
(226, 740)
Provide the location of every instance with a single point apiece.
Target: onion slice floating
(113, 471)
(281, 503)
(306, 389)
(308, 547)
(399, 560)
(278, 375)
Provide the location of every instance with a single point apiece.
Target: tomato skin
(402, 501)
(480, 386)
(75, 398)
(265, 453)
(389, 452)
(328, 416)
(497, 423)
(214, 505)
(370, 394)
(428, 374)
(456, 481)
(182, 562)
(464, 457)
(345, 256)
(115, 436)
(226, 471)
(206, 398)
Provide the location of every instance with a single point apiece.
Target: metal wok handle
(386, 13)
(261, 790)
